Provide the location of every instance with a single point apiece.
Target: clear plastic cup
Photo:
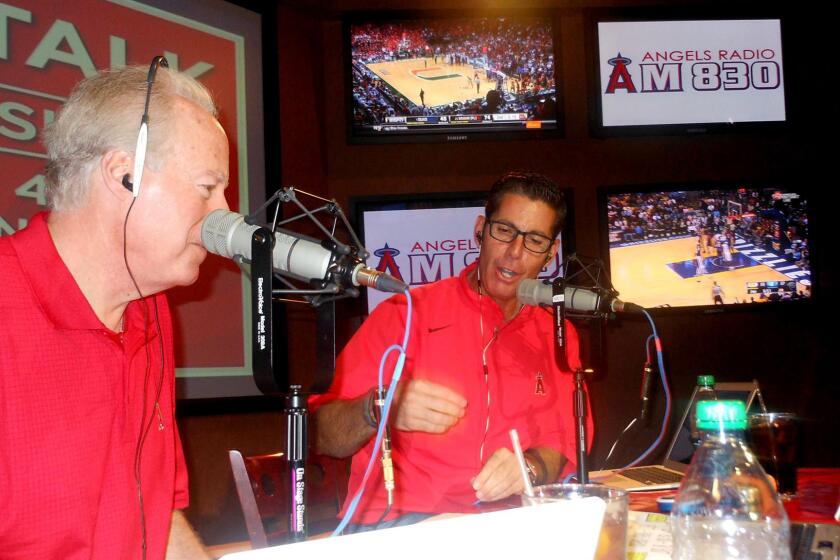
(612, 542)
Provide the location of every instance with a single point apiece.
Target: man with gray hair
(91, 464)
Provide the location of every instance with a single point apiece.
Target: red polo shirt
(526, 389)
(71, 402)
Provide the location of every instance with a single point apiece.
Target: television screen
(450, 78)
(424, 238)
(689, 75)
(707, 245)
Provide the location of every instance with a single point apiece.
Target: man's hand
(423, 406)
(499, 477)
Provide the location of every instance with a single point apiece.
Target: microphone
(226, 234)
(533, 291)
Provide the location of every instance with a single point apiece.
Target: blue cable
(386, 409)
(661, 363)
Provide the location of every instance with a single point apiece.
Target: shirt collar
(55, 289)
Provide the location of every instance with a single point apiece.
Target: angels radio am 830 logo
(687, 70)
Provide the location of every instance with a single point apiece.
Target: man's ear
(115, 171)
(478, 229)
(553, 251)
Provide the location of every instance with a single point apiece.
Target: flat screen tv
(424, 77)
(652, 74)
(672, 246)
(424, 238)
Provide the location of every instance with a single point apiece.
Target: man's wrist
(369, 409)
(537, 470)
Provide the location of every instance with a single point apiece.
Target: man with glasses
(478, 364)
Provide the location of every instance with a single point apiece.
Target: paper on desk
(569, 527)
(648, 536)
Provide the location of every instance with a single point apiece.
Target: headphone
(143, 134)
(134, 188)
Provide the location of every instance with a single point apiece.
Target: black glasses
(506, 233)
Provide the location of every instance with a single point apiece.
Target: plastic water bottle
(726, 507)
(705, 392)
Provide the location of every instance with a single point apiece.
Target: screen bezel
(450, 136)
(809, 194)
(598, 15)
(728, 391)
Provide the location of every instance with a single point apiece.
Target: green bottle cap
(706, 380)
(729, 415)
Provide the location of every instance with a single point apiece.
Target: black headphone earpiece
(126, 182)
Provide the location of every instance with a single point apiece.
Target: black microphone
(226, 234)
(533, 291)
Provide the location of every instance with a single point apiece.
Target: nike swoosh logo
(436, 329)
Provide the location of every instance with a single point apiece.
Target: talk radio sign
(677, 72)
(46, 47)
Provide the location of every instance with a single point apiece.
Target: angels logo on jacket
(539, 389)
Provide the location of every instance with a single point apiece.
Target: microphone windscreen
(226, 234)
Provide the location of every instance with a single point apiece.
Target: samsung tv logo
(456, 137)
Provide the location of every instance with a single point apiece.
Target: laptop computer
(677, 458)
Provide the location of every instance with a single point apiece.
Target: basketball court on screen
(665, 272)
(441, 83)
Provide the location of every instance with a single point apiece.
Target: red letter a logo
(620, 77)
(387, 263)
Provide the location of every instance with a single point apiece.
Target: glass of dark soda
(772, 437)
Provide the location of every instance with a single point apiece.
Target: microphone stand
(297, 421)
(558, 301)
(271, 382)
(262, 358)
(590, 272)
(580, 420)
